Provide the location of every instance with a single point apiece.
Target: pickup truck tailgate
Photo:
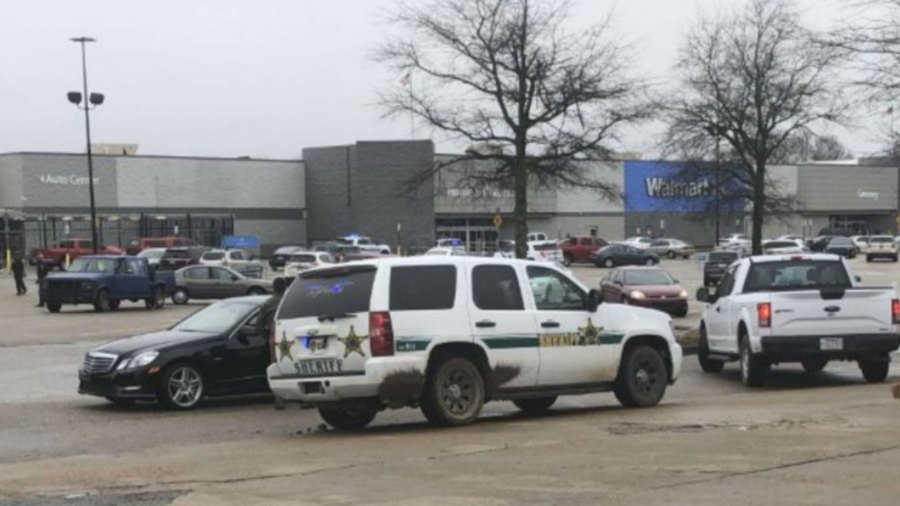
(809, 313)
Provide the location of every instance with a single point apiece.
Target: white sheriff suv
(796, 308)
(448, 334)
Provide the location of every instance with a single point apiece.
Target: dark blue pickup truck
(105, 281)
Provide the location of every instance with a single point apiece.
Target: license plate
(831, 343)
(314, 343)
(318, 366)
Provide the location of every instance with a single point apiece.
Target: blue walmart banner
(668, 187)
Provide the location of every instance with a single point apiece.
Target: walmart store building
(361, 188)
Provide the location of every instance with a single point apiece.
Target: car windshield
(882, 240)
(722, 257)
(306, 259)
(796, 275)
(648, 277)
(215, 255)
(177, 253)
(216, 318)
(780, 244)
(101, 265)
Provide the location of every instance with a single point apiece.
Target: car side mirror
(245, 332)
(703, 295)
(594, 300)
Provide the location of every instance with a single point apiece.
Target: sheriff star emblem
(353, 343)
(589, 334)
(284, 346)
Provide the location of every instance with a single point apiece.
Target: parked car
(881, 246)
(446, 251)
(819, 243)
(537, 236)
(735, 240)
(842, 246)
(71, 248)
(223, 349)
(448, 334)
(782, 247)
(299, 262)
(204, 282)
(580, 248)
(716, 264)
(615, 255)
(364, 243)
(280, 256)
(808, 309)
(138, 245)
(671, 248)
(650, 287)
(153, 255)
(450, 242)
(105, 281)
(539, 251)
(234, 258)
(639, 242)
(792, 237)
(861, 242)
(176, 258)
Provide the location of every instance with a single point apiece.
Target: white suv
(448, 334)
(881, 246)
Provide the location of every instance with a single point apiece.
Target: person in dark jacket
(18, 268)
(42, 269)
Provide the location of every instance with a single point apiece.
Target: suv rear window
(329, 292)
(796, 275)
(423, 288)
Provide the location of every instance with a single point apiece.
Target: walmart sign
(666, 187)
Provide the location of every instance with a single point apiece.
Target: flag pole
(412, 116)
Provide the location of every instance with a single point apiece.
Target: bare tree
(752, 77)
(506, 75)
(808, 147)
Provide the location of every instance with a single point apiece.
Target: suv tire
(874, 371)
(643, 378)
(707, 364)
(102, 302)
(454, 393)
(348, 418)
(754, 369)
(535, 404)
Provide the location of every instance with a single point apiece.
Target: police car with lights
(448, 334)
(796, 308)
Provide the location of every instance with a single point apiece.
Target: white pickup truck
(796, 308)
(449, 333)
(364, 244)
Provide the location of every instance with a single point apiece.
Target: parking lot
(804, 439)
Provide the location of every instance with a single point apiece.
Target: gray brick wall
(370, 201)
(847, 188)
(11, 181)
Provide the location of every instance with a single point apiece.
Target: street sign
(497, 221)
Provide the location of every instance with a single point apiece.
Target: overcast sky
(256, 77)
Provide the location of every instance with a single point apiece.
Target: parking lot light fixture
(89, 100)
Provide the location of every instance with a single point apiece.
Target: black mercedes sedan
(223, 349)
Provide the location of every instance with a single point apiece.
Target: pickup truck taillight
(895, 310)
(381, 334)
(764, 314)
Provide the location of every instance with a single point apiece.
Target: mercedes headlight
(140, 360)
(638, 295)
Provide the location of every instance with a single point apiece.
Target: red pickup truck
(580, 248)
(72, 247)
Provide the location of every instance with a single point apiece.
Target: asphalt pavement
(825, 438)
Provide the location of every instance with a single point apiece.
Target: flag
(405, 79)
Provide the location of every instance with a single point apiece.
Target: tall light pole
(93, 99)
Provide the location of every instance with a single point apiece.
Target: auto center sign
(66, 179)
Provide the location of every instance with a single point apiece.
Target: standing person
(18, 268)
(42, 269)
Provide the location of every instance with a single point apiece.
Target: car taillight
(381, 334)
(895, 310)
(764, 314)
